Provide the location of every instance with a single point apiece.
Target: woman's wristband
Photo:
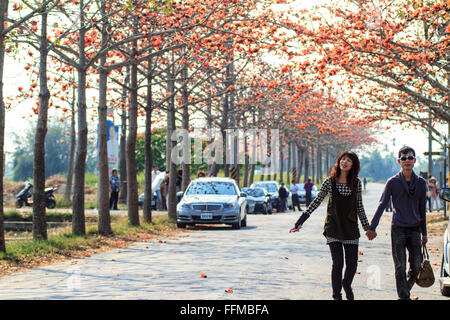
(302, 219)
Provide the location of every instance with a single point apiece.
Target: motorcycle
(25, 193)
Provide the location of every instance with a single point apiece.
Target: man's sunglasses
(404, 158)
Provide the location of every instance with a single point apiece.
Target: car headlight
(228, 206)
(184, 206)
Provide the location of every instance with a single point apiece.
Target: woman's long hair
(352, 178)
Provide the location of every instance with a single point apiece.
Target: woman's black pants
(351, 263)
(113, 200)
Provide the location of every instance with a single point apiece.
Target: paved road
(262, 261)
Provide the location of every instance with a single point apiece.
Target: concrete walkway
(262, 261)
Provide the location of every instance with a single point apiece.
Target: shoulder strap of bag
(425, 253)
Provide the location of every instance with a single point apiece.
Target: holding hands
(371, 234)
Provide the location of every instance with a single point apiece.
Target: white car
(212, 200)
(444, 279)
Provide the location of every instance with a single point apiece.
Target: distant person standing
(156, 186)
(308, 189)
(164, 191)
(365, 183)
(434, 194)
(282, 197)
(114, 185)
(295, 197)
(428, 195)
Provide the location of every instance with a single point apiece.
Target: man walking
(408, 229)
(308, 191)
(282, 197)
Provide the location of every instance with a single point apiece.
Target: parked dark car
(141, 200)
(258, 200)
(272, 188)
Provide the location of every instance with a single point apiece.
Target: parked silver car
(212, 200)
(444, 279)
(272, 188)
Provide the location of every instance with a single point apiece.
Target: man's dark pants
(406, 238)
(282, 204)
(296, 202)
(308, 196)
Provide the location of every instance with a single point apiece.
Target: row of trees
(195, 65)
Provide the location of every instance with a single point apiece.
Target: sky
(18, 119)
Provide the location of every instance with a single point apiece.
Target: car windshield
(254, 192)
(270, 187)
(212, 187)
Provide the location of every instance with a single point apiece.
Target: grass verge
(63, 245)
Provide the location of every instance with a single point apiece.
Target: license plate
(206, 216)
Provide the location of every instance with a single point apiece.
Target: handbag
(425, 278)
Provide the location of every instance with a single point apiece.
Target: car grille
(206, 207)
(214, 217)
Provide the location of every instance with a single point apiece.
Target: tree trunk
(132, 192)
(123, 141)
(294, 163)
(171, 208)
(3, 16)
(39, 222)
(252, 174)
(281, 160)
(319, 165)
(289, 166)
(313, 165)
(300, 155)
(185, 124)
(148, 192)
(104, 219)
(78, 215)
(73, 141)
(246, 162)
(306, 156)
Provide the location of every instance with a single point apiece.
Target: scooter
(25, 193)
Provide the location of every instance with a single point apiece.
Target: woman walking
(341, 225)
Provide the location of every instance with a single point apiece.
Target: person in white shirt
(156, 182)
(295, 198)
